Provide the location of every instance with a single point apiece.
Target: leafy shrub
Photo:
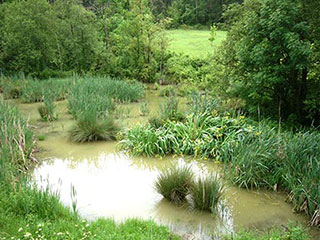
(174, 183)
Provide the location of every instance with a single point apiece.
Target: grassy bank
(27, 213)
(255, 154)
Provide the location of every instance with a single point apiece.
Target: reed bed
(92, 102)
(36, 90)
(17, 143)
(101, 94)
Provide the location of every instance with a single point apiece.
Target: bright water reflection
(114, 185)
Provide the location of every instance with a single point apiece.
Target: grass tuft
(174, 183)
(90, 128)
(206, 193)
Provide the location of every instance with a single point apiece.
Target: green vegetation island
(160, 119)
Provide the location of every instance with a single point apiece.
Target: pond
(103, 182)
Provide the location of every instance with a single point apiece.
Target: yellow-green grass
(194, 43)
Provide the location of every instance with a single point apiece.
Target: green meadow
(194, 43)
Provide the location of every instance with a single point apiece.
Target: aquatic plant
(174, 183)
(47, 110)
(90, 128)
(101, 94)
(256, 155)
(144, 109)
(17, 143)
(255, 160)
(169, 110)
(206, 193)
(167, 91)
(200, 103)
(36, 91)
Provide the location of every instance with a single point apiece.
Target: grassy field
(194, 42)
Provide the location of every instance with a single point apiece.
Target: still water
(104, 182)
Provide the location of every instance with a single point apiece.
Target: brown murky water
(109, 183)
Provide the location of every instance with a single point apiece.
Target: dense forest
(242, 94)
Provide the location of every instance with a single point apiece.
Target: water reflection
(114, 185)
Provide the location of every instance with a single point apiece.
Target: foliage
(206, 193)
(169, 110)
(267, 57)
(213, 33)
(202, 12)
(135, 44)
(37, 91)
(174, 183)
(41, 39)
(90, 127)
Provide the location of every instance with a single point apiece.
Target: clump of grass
(17, 143)
(41, 137)
(91, 128)
(156, 86)
(187, 89)
(36, 90)
(122, 112)
(201, 103)
(144, 110)
(206, 193)
(47, 110)
(101, 94)
(169, 111)
(174, 183)
(167, 91)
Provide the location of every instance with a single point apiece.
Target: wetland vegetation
(233, 85)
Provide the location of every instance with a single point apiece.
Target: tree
(270, 57)
(42, 39)
(27, 35)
